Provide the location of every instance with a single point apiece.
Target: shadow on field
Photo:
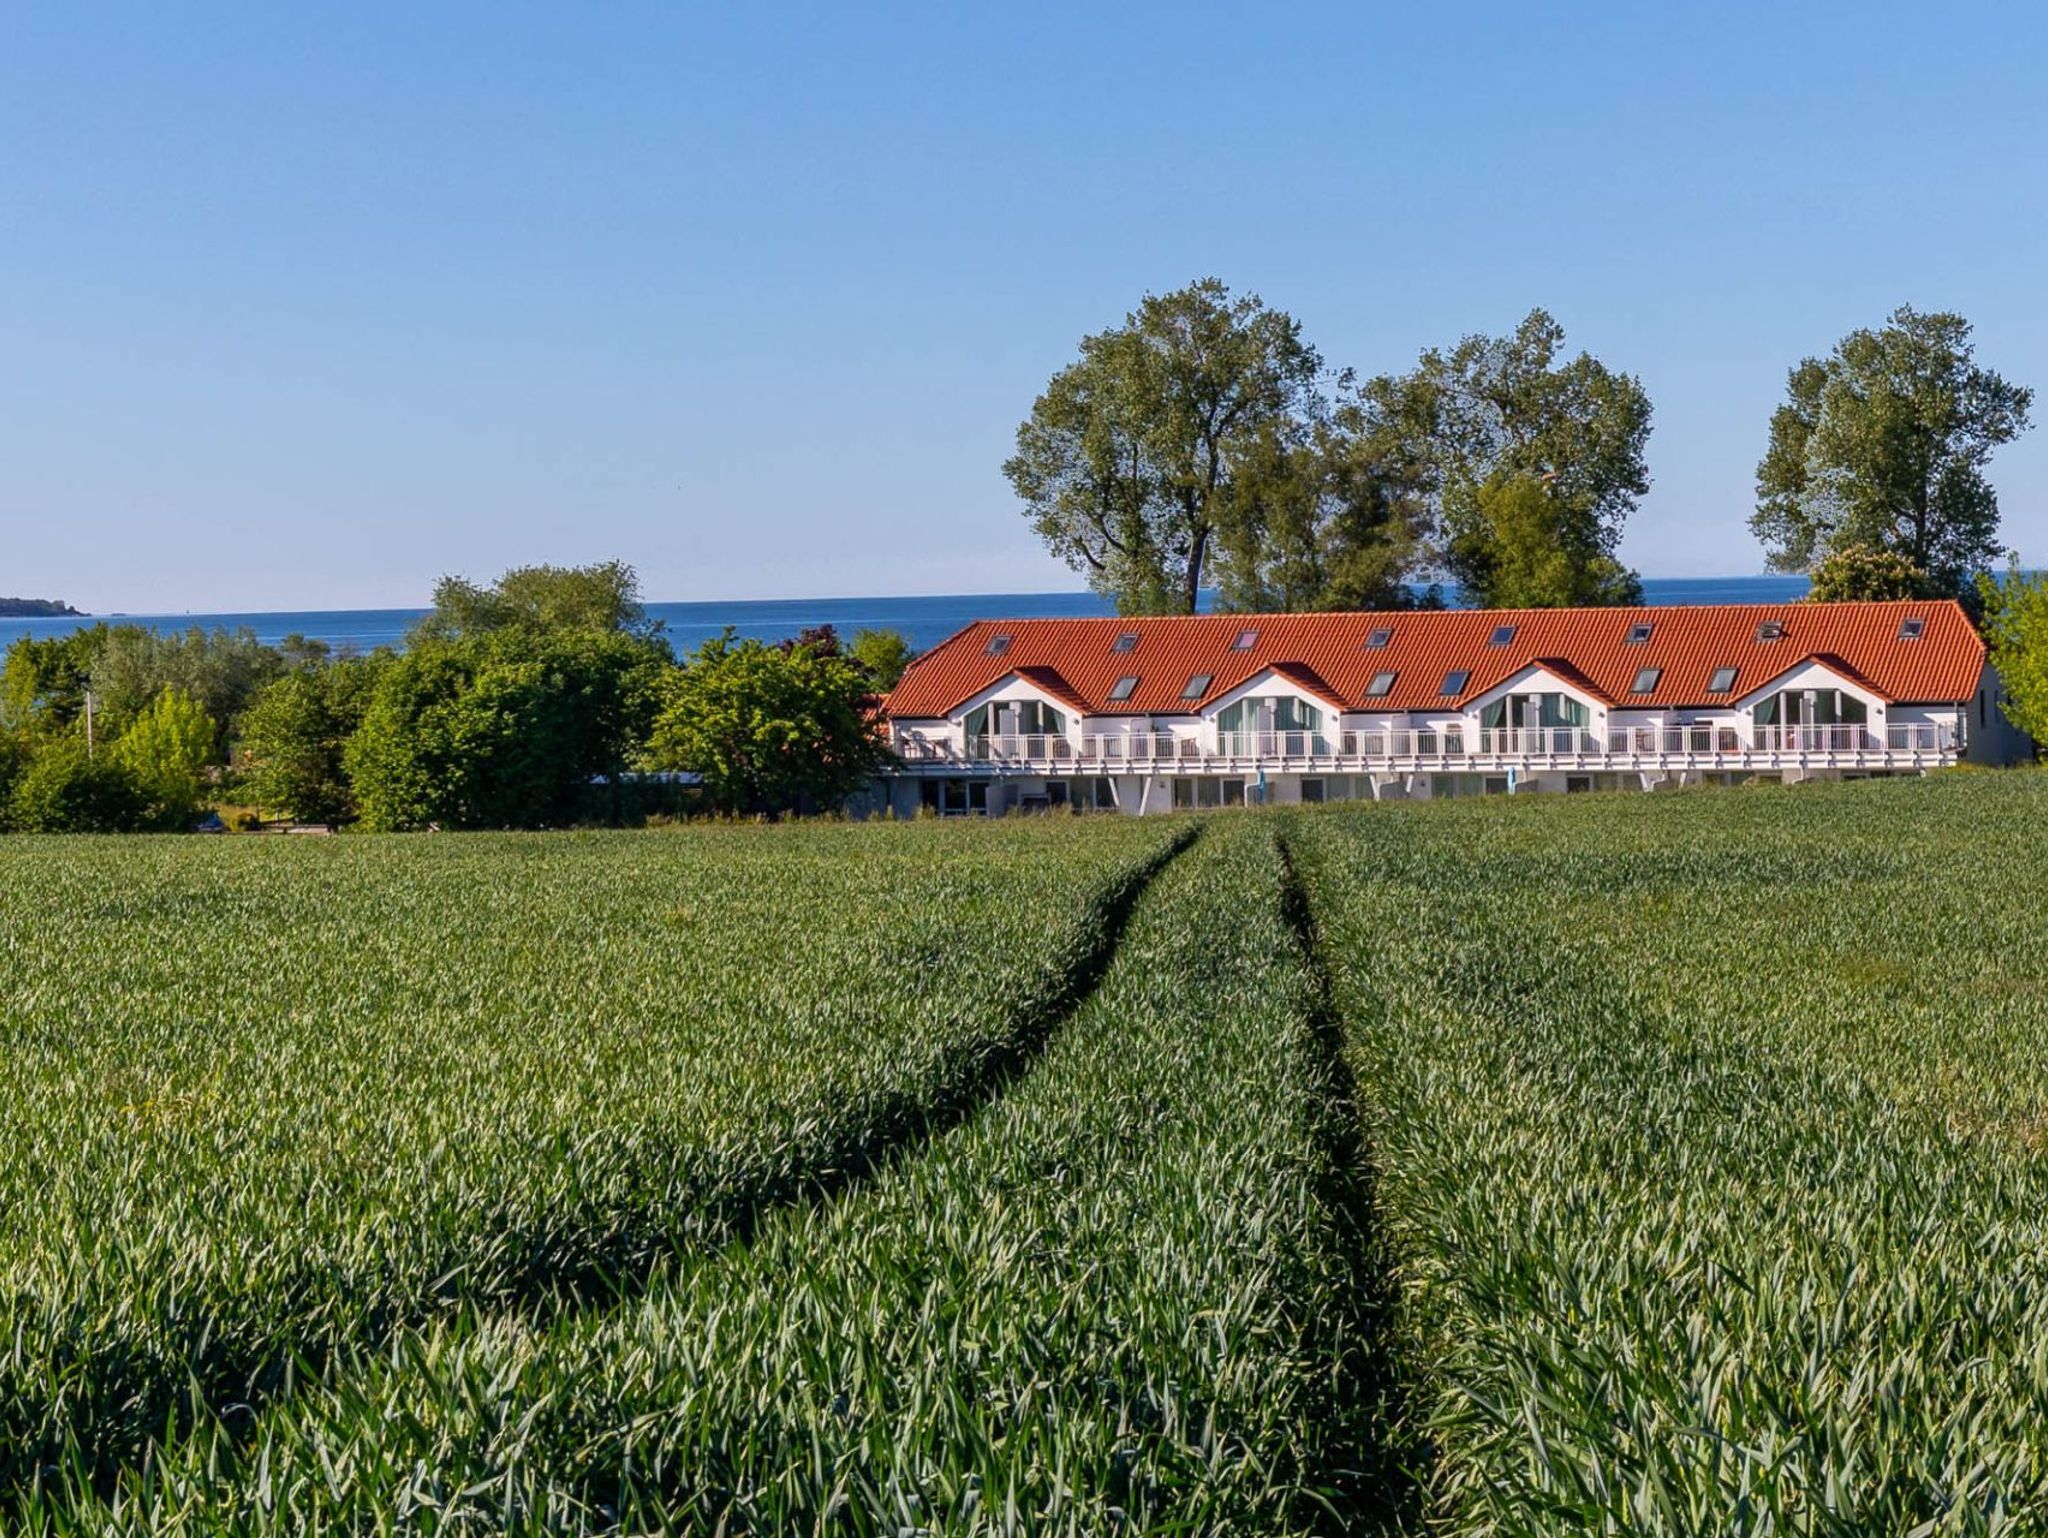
(1373, 1466)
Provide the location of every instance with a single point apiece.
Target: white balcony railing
(1733, 744)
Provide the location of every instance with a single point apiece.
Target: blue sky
(302, 310)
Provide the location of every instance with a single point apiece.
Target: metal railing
(1734, 742)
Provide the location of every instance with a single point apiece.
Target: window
(1197, 686)
(1246, 640)
(1124, 687)
(1127, 642)
(1382, 685)
(1722, 681)
(1455, 681)
(1646, 680)
(997, 645)
(1311, 792)
(1912, 629)
(1233, 792)
(1639, 633)
(1377, 641)
(1771, 630)
(1503, 635)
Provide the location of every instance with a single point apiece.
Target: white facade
(1016, 746)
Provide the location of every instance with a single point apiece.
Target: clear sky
(303, 306)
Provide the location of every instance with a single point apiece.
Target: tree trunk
(1196, 553)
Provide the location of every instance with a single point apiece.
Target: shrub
(166, 752)
(65, 790)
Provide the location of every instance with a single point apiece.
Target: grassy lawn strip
(266, 1101)
(1114, 1300)
(1675, 1257)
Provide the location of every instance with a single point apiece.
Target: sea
(923, 621)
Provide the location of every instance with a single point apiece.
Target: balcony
(1720, 746)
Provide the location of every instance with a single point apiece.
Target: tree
(771, 730)
(1883, 444)
(294, 737)
(1861, 573)
(882, 655)
(1165, 431)
(499, 730)
(1496, 413)
(13, 762)
(2016, 632)
(65, 790)
(605, 596)
(43, 683)
(224, 670)
(1529, 554)
(166, 750)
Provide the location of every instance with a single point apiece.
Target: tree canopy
(882, 655)
(1202, 442)
(166, 750)
(771, 729)
(1480, 430)
(1860, 573)
(604, 596)
(1191, 416)
(1883, 444)
(499, 730)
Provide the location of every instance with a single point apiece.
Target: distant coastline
(923, 621)
(38, 608)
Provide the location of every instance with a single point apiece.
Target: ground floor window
(1577, 784)
(1496, 785)
(1311, 792)
(955, 798)
(1233, 792)
(1183, 794)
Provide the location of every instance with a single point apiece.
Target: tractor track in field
(1377, 1485)
(900, 1128)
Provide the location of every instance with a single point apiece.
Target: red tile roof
(1326, 654)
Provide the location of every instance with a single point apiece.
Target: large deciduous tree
(1883, 444)
(166, 750)
(605, 596)
(771, 729)
(1200, 409)
(294, 738)
(1531, 465)
(500, 730)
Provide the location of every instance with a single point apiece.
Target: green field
(1671, 1164)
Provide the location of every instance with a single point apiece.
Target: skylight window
(1639, 633)
(1722, 681)
(1377, 641)
(1455, 681)
(1382, 684)
(1197, 686)
(1124, 687)
(1912, 629)
(1646, 680)
(1246, 640)
(998, 644)
(1503, 635)
(1771, 630)
(1127, 642)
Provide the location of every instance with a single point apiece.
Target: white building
(1214, 710)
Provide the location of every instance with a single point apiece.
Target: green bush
(66, 790)
(166, 752)
(500, 731)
